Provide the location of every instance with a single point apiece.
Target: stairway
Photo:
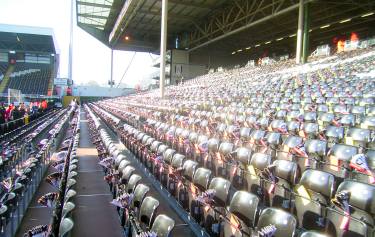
(51, 83)
(4, 83)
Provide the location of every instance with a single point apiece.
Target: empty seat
(338, 160)
(360, 199)
(243, 211)
(284, 222)
(313, 194)
(163, 226)
(147, 211)
(139, 194)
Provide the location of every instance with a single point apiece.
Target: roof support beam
(175, 16)
(91, 25)
(233, 16)
(90, 4)
(191, 4)
(244, 27)
(92, 16)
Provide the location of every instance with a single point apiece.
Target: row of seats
(22, 163)
(64, 161)
(157, 149)
(18, 133)
(139, 211)
(306, 152)
(302, 143)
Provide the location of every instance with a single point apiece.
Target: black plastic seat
(243, 211)
(148, 210)
(163, 226)
(259, 162)
(361, 207)
(314, 192)
(132, 183)
(284, 222)
(338, 160)
(140, 193)
(286, 174)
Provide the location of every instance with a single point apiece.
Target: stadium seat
(354, 199)
(314, 192)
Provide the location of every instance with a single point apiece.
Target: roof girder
(93, 4)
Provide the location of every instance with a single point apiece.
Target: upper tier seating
(30, 78)
(3, 69)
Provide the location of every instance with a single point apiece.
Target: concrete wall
(182, 68)
(100, 91)
(214, 58)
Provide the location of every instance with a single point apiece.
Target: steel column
(306, 33)
(163, 44)
(299, 32)
(71, 41)
(111, 80)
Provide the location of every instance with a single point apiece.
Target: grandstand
(29, 59)
(266, 127)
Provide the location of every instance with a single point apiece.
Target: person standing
(2, 113)
(22, 110)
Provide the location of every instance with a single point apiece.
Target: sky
(91, 58)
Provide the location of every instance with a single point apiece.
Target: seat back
(245, 206)
(139, 194)
(147, 210)
(243, 155)
(222, 187)
(133, 182)
(189, 169)
(178, 161)
(202, 178)
(338, 160)
(126, 173)
(258, 162)
(284, 222)
(362, 210)
(163, 226)
(313, 194)
(66, 225)
(168, 155)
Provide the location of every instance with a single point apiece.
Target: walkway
(166, 201)
(35, 213)
(94, 216)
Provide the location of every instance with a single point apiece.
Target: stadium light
(280, 39)
(346, 20)
(240, 50)
(267, 42)
(234, 52)
(368, 14)
(248, 48)
(290, 36)
(325, 26)
(257, 45)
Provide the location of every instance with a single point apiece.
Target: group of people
(14, 115)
